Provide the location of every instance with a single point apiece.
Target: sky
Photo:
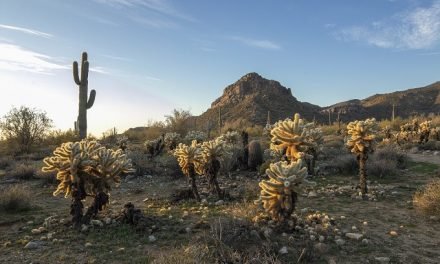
(148, 57)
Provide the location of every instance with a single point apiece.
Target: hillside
(424, 100)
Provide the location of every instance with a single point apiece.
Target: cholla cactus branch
(211, 155)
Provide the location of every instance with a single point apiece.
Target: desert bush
(15, 198)
(57, 137)
(178, 121)
(393, 154)
(430, 145)
(344, 164)
(25, 126)
(46, 177)
(5, 162)
(382, 168)
(22, 171)
(427, 200)
(231, 161)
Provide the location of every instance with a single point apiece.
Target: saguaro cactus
(84, 102)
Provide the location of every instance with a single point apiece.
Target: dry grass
(22, 171)
(5, 162)
(47, 177)
(15, 198)
(427, 201)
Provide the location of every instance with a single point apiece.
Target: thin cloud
(16, 58)
(263, 44)
(27, 31)
(159, 6)
(116, 57)
(99, 69)
(154, 22)
(415, 29)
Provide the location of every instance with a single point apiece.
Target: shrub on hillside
(6, 162)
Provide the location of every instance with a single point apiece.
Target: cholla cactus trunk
(76, 208)
(362, 159)
(192, 179)
(99, 202)
(211, 172)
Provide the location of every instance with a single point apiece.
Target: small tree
(361, 143)
(178, 121)
(25, 126)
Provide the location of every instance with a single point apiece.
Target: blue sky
(148, 57)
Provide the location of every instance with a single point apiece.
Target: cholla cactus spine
(279, 193)
(361, 142)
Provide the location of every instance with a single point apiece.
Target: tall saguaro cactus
(84, 102)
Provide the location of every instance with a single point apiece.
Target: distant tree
(25, 126)
(178, 121)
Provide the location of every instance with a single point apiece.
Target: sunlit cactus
(361, 142)
(211, 155)
(189, 159)
(424, 130)
(288, 136)
(84, 169)
(279, 193)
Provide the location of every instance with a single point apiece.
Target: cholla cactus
(122, 141)
(195, 135)
(155, 146)
(361, 142)
(230, 137)
(424, 130)
(171, 140)
(86, 168)
(280, 192)
(288, 136)
(314, 137)
(210, 156)
(189, 159)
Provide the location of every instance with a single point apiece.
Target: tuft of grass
(47, 177)
(427, 200)
(15, 198)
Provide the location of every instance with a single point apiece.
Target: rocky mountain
(416, 101)
(251, 97)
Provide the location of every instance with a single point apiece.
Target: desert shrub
(344, 164)
(5, 162)
(382, 168)
(392, 154)
(230, 162)
(15, 198)
(427, 200)
(22, 171)
(56, 137)
(46, 177)
(25, 126)
(263, 167)
(178, 121)
(255, 130)
(430, 145)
